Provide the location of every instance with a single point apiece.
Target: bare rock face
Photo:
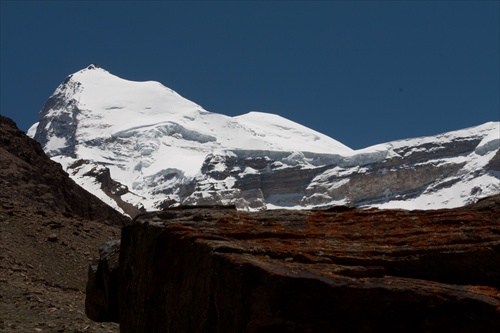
(338, 270)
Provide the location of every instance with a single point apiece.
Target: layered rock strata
(338, 270)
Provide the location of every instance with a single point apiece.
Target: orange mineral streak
(345, 270)
(420, 244)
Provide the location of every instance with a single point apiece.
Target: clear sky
(362, 72)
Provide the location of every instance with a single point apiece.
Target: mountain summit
(142, 145)
(105, 106)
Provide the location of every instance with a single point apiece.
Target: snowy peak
(107, 106)
(157, 148)
(93, 66)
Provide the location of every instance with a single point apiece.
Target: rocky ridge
(28, 175)
(209, 269)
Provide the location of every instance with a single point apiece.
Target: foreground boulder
(342, 270)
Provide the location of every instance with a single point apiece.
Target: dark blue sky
(362, 72)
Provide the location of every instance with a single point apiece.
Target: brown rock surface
(342, 270)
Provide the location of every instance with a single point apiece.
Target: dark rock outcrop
(339, 270)
(102, 294)
(109, 186)
(28, 175)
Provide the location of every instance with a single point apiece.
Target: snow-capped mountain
(140, 144)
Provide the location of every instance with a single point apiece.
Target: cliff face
(427, 173)
(219, 270)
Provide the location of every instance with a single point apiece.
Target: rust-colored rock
(343, 270)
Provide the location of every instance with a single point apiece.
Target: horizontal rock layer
(340, 270)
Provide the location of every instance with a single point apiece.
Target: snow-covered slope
(443, 171)
(140, 144)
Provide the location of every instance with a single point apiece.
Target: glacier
(142, 146)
